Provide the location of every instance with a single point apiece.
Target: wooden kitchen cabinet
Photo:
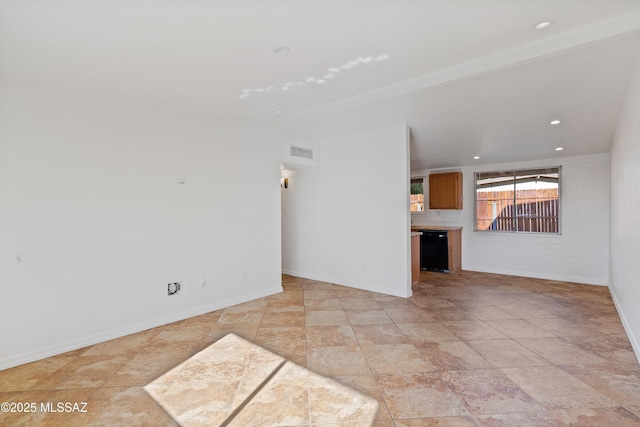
(454, 246)
(445, 190)
(415, 257)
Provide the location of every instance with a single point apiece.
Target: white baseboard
(20, 359)
(538, 275)
(350, 284)
(625, 325)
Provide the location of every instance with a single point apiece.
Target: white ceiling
(471, 77)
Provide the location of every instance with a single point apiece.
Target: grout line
(252, 395)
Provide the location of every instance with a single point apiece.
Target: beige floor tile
(346, 292)
(419, 396)
(257, 305)
(158, 417)
(204, 321)
(367, 317)
(337, 361)
(466, 300)
(517, 328)
(615, 348)
(438, 422)
(489, 312)
(560, 352)
(327, 304)
(308, 284)
(245, 333)
(283, 401)
(288, 342)
(427, 332)
(120, 406)
(618, 384)
(359, 304)
(174, 340)
(330, 336)
(379, 334)
(367, 385)
(409, 315)
(282, 318)
(506, 353)
(523, 419)
(556, 389)
(450, 315)
(243, 320)
(197, 403)
(564, 327)
(285, 308)
(535, 311)
(291, 297)
(320, 293)
(395, 359)
(331, 402)
(395, 302)
(226, 360)
(452, 356)
(26, 376)
(125, 346)
(634, 408)
(474, 330)
(83, 372)
(608, 325)
(613, 416)
(144, 368)
(326, 318)
(488, 391)
(432, 303)
(375, 423)
(280, 305)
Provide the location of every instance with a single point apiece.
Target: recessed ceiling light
(476, 157)
(282, 50)
(543, 25)
(277, 112)
(554, 122)
(559, 148)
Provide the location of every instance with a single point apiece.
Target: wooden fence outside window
(533, 211)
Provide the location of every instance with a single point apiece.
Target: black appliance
(434, 251)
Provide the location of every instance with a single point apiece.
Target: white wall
(580, 254)
(90, 199)
(347, 221)
(625, 213)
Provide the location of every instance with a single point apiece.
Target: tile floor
(468, 349)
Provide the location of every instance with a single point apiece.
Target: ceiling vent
(301, 152)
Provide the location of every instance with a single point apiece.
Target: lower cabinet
(415, 258)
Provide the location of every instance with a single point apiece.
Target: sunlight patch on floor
(234, 382)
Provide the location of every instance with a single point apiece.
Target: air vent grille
(301, 152)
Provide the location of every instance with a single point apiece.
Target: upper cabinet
(445, 190)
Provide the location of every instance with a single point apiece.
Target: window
(519, 201)
(417, 195)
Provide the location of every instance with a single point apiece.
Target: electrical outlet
(173, 288)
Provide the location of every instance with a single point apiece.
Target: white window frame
(515, 172)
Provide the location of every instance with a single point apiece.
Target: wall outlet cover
(174, 288)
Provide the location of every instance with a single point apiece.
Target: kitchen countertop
(433, 227)
(416, 233)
